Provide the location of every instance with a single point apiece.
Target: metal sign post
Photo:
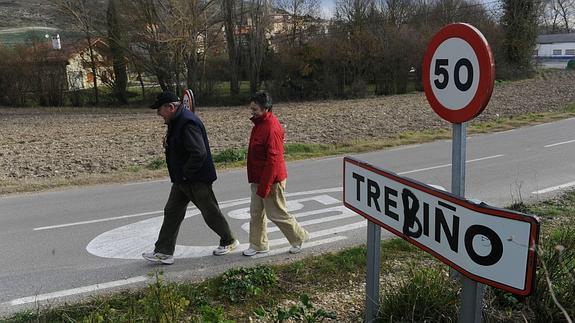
(372, 280)
(472, 292)
(458, 153)
(458, 99)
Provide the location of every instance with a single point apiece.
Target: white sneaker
(224, 250)
(158, 257)
(295, 249)
(252, 252)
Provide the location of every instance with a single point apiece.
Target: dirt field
(54, 144)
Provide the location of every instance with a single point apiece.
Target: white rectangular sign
(487, 244)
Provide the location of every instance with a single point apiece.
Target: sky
(327, 7)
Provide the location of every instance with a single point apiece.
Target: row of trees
(282, 45)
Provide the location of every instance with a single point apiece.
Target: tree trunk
(229, 22)
(94, 67)
(118, 54)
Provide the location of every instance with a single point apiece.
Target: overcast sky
(328, 7)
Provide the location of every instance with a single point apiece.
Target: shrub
(162, 302)
(207, 313)
(305, 311)
(230, 156)
(240, 283)
(425, 295)
(157, 163)
(571, 64)
(555, 277)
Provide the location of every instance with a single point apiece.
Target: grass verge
(414, 287)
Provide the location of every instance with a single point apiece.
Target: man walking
(192, 173)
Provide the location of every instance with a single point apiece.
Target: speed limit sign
(458, 73)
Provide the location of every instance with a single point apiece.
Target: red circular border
(481, 48)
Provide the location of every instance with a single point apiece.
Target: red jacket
(266, 163)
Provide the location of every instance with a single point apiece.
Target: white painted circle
(454, 49)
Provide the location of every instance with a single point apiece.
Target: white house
(555, 50)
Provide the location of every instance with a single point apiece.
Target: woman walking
(267, 176)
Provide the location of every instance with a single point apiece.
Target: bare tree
(566, 10)
(258, 23)
(299, 15)
(230, 18)
(548, 16)
(354, 12)
(171, 38)
(117, 49)
(397, 12)
(84, 14)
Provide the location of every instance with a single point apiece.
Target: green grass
(230, 156)
(423, 295)
(158, 163)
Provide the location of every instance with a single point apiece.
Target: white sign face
(493, 246)
(454, 73)
(458, 72)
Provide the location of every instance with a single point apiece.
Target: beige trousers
(274, 207)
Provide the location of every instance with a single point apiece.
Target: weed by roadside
(425, 294)
(304, 311)
(239, 284)
(158, 163)
(230, 156)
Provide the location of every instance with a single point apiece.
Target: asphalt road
(65, 245)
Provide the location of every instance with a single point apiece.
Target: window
(570, 52)
(557, 52)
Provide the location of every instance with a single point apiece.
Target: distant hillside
(15, 36)
(24, 13)
(21, 20)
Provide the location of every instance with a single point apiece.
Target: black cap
(163, 98)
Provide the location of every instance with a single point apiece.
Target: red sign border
(190, 96)
(483, 208)
(486, 62)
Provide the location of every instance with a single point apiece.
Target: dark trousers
(202, 195)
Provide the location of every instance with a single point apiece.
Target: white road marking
(96, 221)
(223, 205)
(345, 213)
(129, 241)
(305, 245)
(292, 205)
(554, 188)
(336, 230)
(559, 143)
(447, 165)
(74, 291)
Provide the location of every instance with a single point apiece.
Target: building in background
(555, 50)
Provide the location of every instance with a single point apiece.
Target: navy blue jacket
(187, 150)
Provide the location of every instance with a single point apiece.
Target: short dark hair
(263, 99)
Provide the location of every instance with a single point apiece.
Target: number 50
(441, 70)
